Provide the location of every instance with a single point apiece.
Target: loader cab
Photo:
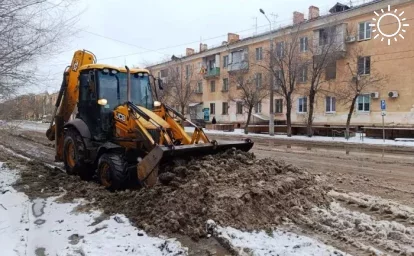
(102, 89)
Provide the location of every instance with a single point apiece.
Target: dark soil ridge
(233, 188)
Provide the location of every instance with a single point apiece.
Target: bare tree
(29, 30)
(360, 77)
(285, 63)
(180, 84)
(324, 50)
(250, 89)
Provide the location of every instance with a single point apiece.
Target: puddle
(40, 251)
(38, 207)
(39, 222)
(74, 239)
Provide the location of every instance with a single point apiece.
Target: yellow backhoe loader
(120, 134)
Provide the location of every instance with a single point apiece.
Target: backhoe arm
(67, 99)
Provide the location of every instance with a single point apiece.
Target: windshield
(140, 89)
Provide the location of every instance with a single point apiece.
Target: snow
(352, 224)
(42, 127)
(29, 227)
(353, 140)
(278, 242)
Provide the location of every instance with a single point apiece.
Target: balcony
(212, 73)
(331, 40)
(239, 66)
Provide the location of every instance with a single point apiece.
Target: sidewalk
(358, 139)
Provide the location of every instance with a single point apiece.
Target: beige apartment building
(209, 69)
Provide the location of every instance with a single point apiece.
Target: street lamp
(271, 112)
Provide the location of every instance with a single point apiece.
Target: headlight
(102, 102)
(157, 104)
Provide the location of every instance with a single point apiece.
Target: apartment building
(208, 70)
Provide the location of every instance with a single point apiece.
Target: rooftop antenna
(255, 25)
(274, 17)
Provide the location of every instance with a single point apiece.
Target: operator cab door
(88, 108)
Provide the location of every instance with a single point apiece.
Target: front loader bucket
(147, 169)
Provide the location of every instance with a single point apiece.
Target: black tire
(112, 171)
(74, 158)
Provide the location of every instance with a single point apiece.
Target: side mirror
(160, 84)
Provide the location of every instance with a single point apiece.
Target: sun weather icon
(400, 21)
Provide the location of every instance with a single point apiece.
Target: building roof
(307, 24)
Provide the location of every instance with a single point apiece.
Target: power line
(179, 45)
(122, 42)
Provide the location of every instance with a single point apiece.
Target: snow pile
(29, 227)
(376, 204)
(277, 242)
(354, 228)
(233, 188)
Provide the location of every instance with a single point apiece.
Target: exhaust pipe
(128, 83)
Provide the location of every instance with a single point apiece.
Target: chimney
(203, 47)
(189, 51)
(298, 17)
(313, 12)
(231, 38)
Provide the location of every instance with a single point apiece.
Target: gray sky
(144, 32)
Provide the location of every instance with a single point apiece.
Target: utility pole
(271, 113)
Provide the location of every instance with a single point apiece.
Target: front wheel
(74, 154)
(112, 171)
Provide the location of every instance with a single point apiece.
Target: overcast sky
(137, 32)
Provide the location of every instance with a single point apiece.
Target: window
(323, 37)
(259, 53)
(236, 57)
(164, 72)
(239, 82)
(326, 35)
(364, 65)
(225, 61)
(225, 85)
(199, 87)
(212, 86)
(258, 107)
(239, 108)
(278, 79)
(258, 80)
(364, 30)
(225, 109)
(211, 64)
(303, 44)
(187, 71)
(280, 49)
(303, 105)
(330, 71)
(330, 103)
(363, 102)
(279, 106)
(303, 74)
(212, 108)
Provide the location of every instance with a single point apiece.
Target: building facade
(205, 74)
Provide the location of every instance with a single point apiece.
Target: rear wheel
(75, 155)
(112, 171)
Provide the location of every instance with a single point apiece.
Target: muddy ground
(333, 199)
